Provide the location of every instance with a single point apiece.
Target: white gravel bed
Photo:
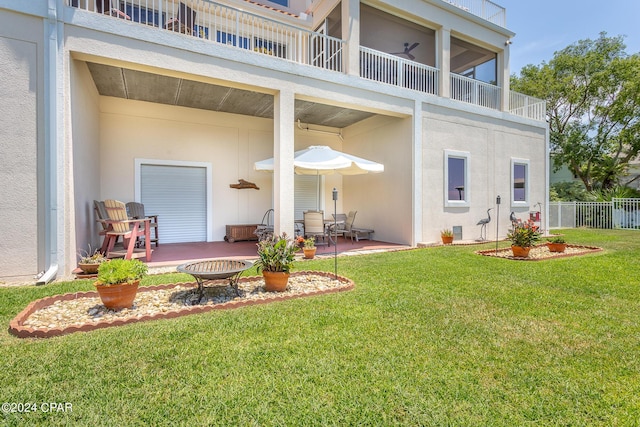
(80, 311)
(540, 252)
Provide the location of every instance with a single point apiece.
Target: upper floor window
(520, 182)
(284, 3)
(232, 39)
(456, 174)
(144, 15)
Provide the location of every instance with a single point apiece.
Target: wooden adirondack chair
(101, 218)
(136, 211)
(128, 229)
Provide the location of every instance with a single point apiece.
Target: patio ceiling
(142, 86)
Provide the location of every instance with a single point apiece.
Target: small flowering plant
(524, 234)
(309, 243)
(95, 257)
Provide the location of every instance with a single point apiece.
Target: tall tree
(592, 89)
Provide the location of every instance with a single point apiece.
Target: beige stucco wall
(383, 201)
(492, 144)
(21, 78)
(84, 140)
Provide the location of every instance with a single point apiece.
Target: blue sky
(545, 26)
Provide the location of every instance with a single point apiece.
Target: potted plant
(557, 244)
(309, 247)
(90, 261)
(275, 259)
(118, 282)
(447, 236)
(523, 236)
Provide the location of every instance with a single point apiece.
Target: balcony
(227, 25)
(484, 9)
(239, 29)
(393, 70)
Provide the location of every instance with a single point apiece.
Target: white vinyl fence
(618, 213)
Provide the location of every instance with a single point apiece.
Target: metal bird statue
(513, 219)
(483, 223)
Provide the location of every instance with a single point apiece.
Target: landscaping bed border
(17, 328)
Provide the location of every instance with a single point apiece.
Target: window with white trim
(456, 178)
(520, 182)
(284, 3)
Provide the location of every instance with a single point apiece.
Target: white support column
(283, 150)
(443, 61)
(417, 173)
(351, 33)
(502, 68)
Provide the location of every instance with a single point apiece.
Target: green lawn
(438, 336)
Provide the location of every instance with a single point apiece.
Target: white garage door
(178, 195)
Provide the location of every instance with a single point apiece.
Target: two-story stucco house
(169, 102)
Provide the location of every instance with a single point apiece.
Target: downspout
(50, 146)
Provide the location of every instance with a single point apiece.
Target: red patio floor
(169, 254)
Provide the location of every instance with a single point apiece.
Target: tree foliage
(592, 89)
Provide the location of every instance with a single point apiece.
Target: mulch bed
(541, 252)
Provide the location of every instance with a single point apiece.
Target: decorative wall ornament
(244, 184)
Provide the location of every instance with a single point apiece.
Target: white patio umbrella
(322, 160)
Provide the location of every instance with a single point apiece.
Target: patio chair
(136, 211)
(354, 232)
(264, 230)
(345, 224)
(128, 229)
(183, 23)
(101, 218)
(314, 226)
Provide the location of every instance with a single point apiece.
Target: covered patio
(173, 254)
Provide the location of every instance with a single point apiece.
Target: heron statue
(514, 219)
(483, 225)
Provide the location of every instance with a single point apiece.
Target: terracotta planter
(520, 251)
(447, 240)
(89, 268)
(117, 297)
(557, 247)
(275, 281)
(309, 253)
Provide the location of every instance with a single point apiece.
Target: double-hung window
(456, 178)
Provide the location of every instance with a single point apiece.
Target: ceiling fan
(407, 50)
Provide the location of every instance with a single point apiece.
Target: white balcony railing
(475, 92)
(227, 25)
(218, 23)
(485, 9)
(390, 69)
(527, 106)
